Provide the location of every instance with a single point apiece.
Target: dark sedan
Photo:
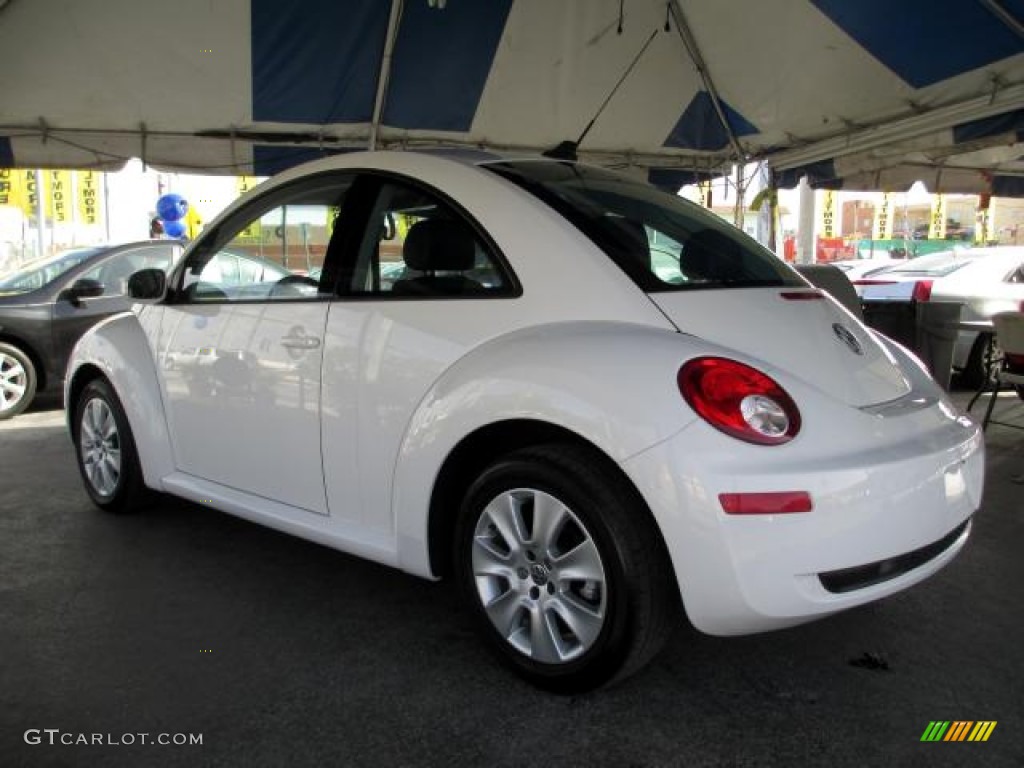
(47, 305)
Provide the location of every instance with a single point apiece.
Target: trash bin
(936, 337)
(896, 319)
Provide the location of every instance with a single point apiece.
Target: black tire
(105, 449)
(17, 381)
(592, 631)
(985, 353)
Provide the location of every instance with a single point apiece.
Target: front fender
(119, 349)
(614, 385)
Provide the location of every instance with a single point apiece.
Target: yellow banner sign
(12, 190)
(32, 191)
(704, 189)
(882, 229)
(829, 221)
(59, 198)
(244, 184)
(984, 225)
(937, 219)
(252, 232)
(193, 223)
(90, 205)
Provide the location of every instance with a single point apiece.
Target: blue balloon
(171, 207)
(174, 228)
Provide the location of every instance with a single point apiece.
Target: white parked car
(855, 269)
(985, 280)
(584, 440)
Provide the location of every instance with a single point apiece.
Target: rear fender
(613, 385)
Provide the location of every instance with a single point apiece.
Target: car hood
(800, 331)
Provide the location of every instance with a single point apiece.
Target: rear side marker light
(739, 400)
(774, 503)
(801, 295)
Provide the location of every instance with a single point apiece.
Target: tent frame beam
(903, 129)
(384, 72)
(1003, 14)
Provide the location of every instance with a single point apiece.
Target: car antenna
(566, 150)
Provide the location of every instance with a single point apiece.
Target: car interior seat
(202, 291)
(710, 255)
(439, 245)
(115, 277)
(1009, 371)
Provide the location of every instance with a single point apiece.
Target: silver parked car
(984, 280)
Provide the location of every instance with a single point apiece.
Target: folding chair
(1009, 330)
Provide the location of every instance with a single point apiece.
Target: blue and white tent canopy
(872, 94)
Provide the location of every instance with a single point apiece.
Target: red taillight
(922, 290)
(774, 503)
(739, 400)
(874, 282)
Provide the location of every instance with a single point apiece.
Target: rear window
(664, 243)
(937, 265)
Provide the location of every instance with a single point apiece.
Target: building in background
(852, 224)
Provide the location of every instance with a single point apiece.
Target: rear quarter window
(664, 243)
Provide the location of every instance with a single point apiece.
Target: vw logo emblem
(846, 336)
(540, 574)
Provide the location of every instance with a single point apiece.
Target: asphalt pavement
(181, 622)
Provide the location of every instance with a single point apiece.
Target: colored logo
(958, 730)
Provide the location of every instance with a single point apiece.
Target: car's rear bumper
(881, 521)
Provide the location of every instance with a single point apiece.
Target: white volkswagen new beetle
(497, 376)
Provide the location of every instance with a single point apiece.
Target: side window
(665, 253)
(114, 273)
(273, 250)
(416, 245)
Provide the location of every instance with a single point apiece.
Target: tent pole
(106, 206)
(805, 231)
(741, 190)
(686, 35)
(1004, 15)
(384, 73)
(40, 215)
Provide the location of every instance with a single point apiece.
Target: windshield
(42, 272)
(664, 243)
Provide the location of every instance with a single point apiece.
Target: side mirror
(147, 284)
(83, 288)
(390, 227)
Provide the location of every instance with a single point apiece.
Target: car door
(72, 318)
(424, 286)
(241, 346)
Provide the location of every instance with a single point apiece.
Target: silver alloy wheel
(100, 446)
(539, 576)
(13, 381)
